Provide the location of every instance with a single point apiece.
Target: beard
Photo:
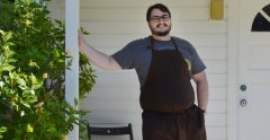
(161, 33)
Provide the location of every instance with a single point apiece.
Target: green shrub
(32, 70)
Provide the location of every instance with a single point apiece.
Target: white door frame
(233, 62)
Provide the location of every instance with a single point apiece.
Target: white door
(254, 71)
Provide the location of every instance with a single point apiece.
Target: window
(261, 22)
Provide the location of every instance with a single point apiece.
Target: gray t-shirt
(138, 55)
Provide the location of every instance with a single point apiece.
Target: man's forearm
(202, 94)
(202, 89)
(98, 58)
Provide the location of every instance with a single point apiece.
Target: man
(164, 65)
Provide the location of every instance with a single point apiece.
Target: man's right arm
(98, 58)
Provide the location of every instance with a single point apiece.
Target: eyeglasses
(158, 18)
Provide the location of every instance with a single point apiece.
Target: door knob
(243, 87)
(243, 102)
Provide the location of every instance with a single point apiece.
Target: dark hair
(159, 6)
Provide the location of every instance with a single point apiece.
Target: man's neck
(162, 38)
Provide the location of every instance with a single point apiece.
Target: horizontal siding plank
(217, 80)
(217, 93)
(140, 3)
(205, 40)
(216, 133)
(114, 116)
(216, 66)
(217, 107)
(116, 93)
(144, 3)
(215, 120)
(216, 53)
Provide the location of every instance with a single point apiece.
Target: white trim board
(233, 83)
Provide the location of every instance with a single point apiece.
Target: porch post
(71, 42)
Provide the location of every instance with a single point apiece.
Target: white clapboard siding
(138, 14)
(92, 4)
(113, 23)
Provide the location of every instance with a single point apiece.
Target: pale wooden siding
(113, 23)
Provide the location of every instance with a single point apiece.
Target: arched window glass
(261, 22)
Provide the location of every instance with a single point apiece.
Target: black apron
(167, 99)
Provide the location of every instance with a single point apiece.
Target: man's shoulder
(182, 41)
(184, 45)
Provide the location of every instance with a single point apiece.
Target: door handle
(243, 87)
(243, 102)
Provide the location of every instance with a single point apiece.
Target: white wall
(113, 23)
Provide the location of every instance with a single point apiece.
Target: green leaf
(33, 79)
(6, 67)
(26, 104)
(21, 82)
(29, 128)
(31, 99)
(2, 32)
(2, 84)
(33, 64)
(36, 83)
(8, 36)
(3, 129)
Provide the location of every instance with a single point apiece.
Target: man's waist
(168, 114)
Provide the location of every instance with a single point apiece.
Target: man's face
(160, 23)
